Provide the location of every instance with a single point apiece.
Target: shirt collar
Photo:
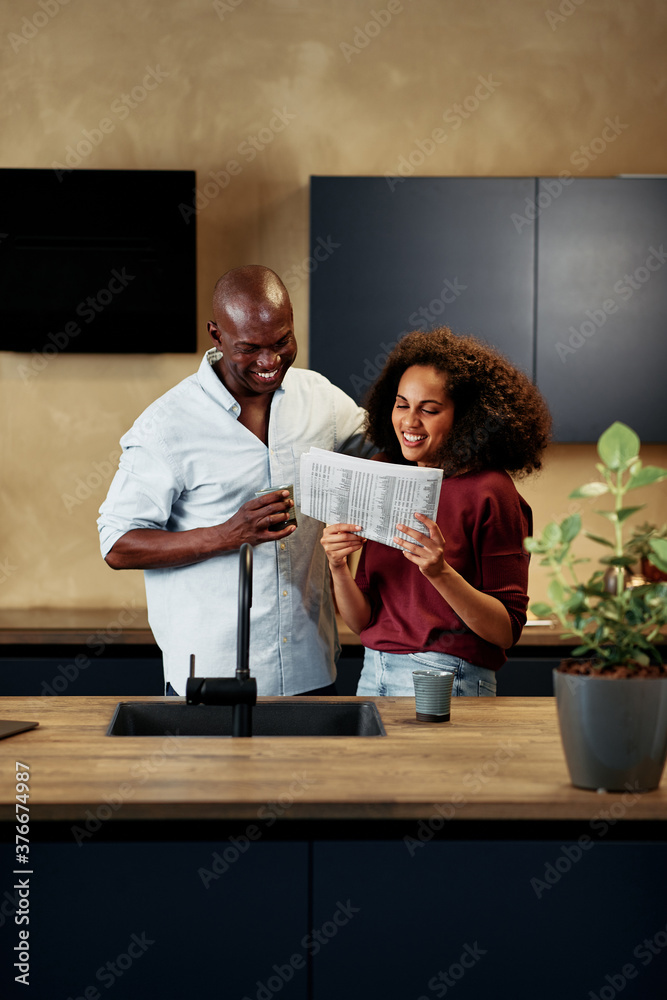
(215, 387)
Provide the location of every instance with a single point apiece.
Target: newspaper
(341, 489)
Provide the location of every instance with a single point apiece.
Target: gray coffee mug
(433, 694)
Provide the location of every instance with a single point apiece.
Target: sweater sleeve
(506, 519)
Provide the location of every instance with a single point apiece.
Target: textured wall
(517, 87)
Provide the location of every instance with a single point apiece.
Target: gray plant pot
(614, 732)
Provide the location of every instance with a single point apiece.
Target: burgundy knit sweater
(484, 521)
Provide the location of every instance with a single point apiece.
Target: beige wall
(556, 74)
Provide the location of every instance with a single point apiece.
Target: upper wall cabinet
(601, 345)
(392, 255)
(564, 277)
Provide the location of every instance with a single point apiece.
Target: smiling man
(183, 500)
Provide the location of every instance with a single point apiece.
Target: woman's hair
(501, 420)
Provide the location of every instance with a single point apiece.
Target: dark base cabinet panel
(529, 920)
(52, 671)
(207, 921)
(528, 677)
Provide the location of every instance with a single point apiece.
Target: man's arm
(155, 548)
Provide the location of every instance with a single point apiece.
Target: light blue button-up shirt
(188, 463)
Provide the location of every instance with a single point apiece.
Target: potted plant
(612, 696)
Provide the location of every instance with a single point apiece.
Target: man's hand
(256, 521)
(155, 548)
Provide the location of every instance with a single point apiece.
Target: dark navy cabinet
(414, 254)
(601, 348)
(566, 276)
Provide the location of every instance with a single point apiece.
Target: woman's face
(423, 414)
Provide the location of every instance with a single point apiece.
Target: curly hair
(501, 420)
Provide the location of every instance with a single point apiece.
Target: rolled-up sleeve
(143, 490)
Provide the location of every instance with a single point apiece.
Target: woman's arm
(339, 541)
(485, 615)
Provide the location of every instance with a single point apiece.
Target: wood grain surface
(498, 758)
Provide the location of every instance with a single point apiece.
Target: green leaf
(646, 476)
(590, 490)
(556, 592)
(620, 515)
(532, 544)
(659, 546)
(618, 446)
(626, 512)
(597, 538)
(570, 528)
(541, 610)
(552, 534)
(658, 554)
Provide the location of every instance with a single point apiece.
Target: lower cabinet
(175, 921)
(412, 916)
(477, 919)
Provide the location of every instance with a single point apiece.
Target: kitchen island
(325, 867)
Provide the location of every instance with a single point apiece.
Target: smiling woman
(423, 414)
(452, 403)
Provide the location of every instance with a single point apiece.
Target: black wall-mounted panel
(97, 261)
(392, 255)
(602, 306)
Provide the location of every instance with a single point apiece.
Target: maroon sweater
(484, 521)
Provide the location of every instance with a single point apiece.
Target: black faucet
(239, 691)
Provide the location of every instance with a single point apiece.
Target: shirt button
(284, 639)
(282, 545)
(284, 593)
(235, 408)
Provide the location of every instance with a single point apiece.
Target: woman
(453, 597)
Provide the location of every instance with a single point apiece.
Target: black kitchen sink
(287, 717)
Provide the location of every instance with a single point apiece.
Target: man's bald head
(253, 328)
(252, 287)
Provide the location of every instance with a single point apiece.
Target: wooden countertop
(129, 626)
(499, 758)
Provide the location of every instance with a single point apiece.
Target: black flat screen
(97, 261)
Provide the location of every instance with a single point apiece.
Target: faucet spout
(239, 691)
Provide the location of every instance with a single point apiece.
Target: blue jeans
(391, 674)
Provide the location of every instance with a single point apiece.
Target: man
(183, 500)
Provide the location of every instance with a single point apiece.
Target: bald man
(183, 500)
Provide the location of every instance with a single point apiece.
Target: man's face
(257, 344)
